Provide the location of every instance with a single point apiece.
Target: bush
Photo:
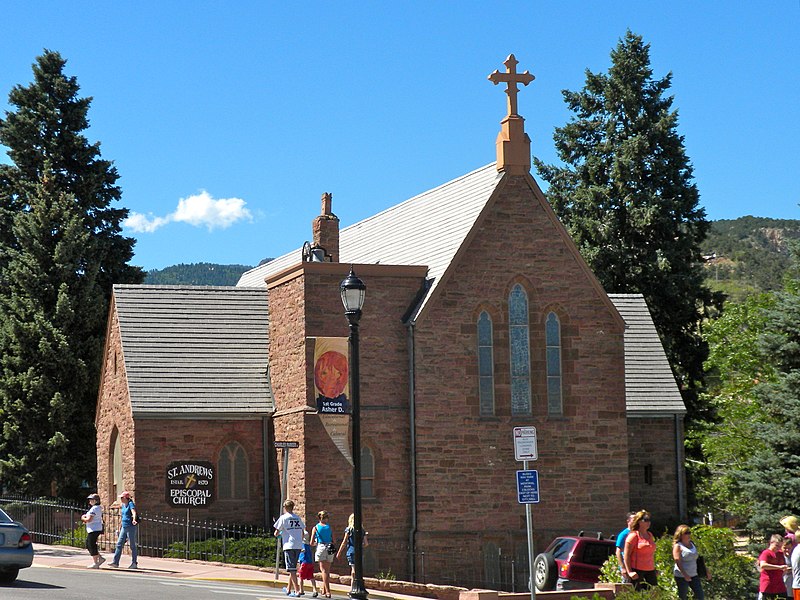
(74, 537)
(257, 551)
(732, 575)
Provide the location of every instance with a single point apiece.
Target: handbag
(332, 547)
(702, 571)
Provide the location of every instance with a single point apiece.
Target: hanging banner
(331, 376)
(332, 390)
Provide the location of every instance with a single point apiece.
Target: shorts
(322, 553)
(306, 571)
(796, 594)
(290, 558)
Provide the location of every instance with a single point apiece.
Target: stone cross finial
(511, 78)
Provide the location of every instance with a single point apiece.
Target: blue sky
(227, 121)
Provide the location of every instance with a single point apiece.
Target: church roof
(191, 350)
(650, 387)
(427, 229)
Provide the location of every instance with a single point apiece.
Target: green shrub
(732, 575)
(74, 537)
(258, 551)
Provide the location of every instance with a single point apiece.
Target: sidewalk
(67, 557)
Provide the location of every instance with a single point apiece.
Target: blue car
(16, 550)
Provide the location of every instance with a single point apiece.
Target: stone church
(480, 316)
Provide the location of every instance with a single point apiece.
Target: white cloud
(200, 210)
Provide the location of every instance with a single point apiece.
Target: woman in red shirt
(639, 554)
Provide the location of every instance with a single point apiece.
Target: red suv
(571, 562)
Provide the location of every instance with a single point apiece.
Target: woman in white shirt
(94, 527)
(685, 571)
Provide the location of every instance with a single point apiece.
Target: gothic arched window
(485, 365)
(555, 405)
(232, 473)
(520, 351)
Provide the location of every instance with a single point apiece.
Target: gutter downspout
(412, 533)
(679, 462)
(265, 447)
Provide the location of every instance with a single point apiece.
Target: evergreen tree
(61, 250)
(626, 194)
(770, 479)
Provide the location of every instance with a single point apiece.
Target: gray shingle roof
(427, 229)
(650, 387)
(195, 351)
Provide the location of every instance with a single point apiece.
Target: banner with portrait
(332, 390)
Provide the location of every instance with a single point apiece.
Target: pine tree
(770, 479)
(626, 194)
(61, 250)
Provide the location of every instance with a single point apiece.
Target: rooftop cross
(511, 78)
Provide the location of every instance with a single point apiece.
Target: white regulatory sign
(525, 443)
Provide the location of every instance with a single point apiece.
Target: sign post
(525, 449)
(285, 447)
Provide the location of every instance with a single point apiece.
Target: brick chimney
(326, 230)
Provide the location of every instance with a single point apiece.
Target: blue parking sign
(528, 487)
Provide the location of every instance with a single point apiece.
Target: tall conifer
(61, 250)
(626, 194)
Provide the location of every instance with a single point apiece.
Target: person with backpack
(129, 521)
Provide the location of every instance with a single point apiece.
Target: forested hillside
(749, 253)
(196, 274)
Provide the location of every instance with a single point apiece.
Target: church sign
(190, 483)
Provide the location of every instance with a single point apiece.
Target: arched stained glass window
(232, 473)
(555, 405)
(520, 351)
(485, 365)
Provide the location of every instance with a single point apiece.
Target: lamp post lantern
(353, 291)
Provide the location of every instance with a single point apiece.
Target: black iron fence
(55, 521)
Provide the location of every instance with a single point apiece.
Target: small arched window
(520, 351)
(555, 404)
(485, 365)
(367, 473)
(232, 469)
(116, 464)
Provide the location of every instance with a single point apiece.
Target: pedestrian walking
(305, 572)
(639, 553)
(93, 518)
(772, 564)
(685, 554)
(349, 542)
(322, 539)
(290, 528)
(623, 535)
(129, 521)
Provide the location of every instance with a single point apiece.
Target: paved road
(43, 583)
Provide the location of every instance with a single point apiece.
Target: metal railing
(57, 522)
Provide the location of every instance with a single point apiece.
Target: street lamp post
(353, 291)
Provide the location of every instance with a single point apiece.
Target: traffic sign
(528, 487)
(525, 447)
